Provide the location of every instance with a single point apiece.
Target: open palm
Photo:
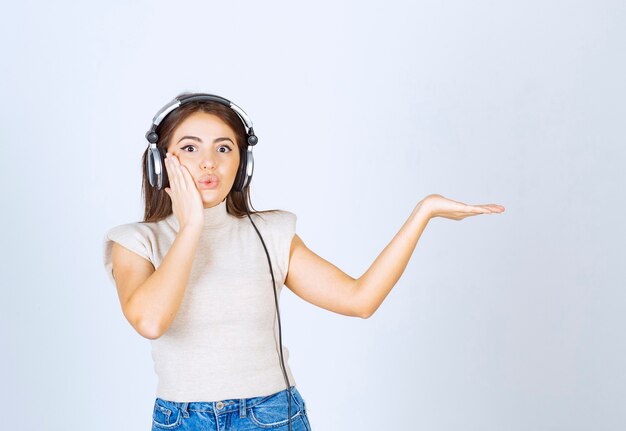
(440, 206)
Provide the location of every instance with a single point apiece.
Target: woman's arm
(373, 286)
(376, 283)
(152, 305)
(321, 283)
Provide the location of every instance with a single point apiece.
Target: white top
(223, 342)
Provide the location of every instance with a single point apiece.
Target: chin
(210, 197)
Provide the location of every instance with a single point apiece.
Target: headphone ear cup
(157, 174)
(150, 167)
(249, 161)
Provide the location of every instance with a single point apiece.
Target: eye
(187, 146)
(225, 146)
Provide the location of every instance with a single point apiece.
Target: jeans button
(220, 405)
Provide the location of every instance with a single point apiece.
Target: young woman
(193, 276)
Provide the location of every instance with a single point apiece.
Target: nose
(208, 161)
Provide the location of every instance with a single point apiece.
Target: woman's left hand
(438, 206)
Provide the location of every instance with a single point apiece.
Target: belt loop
(183, 407)
(242, 408)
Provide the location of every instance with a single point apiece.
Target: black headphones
(158, 178)
(156, 170)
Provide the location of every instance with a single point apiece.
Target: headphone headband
(178, 102)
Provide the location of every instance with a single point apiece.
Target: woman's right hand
(187, 203)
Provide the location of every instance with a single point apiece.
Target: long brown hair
(157, 203)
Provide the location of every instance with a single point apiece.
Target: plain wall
(501, 322)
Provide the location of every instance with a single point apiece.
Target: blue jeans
(245, 414)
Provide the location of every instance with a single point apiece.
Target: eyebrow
(216, 140)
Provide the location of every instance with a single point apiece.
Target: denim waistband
(223, 406)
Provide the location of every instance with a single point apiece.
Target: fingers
(170, 175)
(475, 209)
(494, 208)
(488, 208)
(174, 173)
(186, 175)
(183, 176)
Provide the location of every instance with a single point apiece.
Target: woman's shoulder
(123, 228)
(138, 237)
(277, 217)
(288, 218)
(141, 227)
(141, 237)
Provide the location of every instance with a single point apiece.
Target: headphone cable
(280, 340)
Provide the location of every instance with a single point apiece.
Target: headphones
(154, 162)
(158, 178)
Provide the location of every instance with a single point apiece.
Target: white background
(500, 322)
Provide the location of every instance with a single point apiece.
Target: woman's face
(205, 145)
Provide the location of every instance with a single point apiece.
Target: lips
(211, 178)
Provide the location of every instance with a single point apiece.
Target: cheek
(234, 166)
(185, 162)
(184, 159)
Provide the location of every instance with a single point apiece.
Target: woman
(193, 276)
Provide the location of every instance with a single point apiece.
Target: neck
(216, 215)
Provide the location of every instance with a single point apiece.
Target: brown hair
(157, 203)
